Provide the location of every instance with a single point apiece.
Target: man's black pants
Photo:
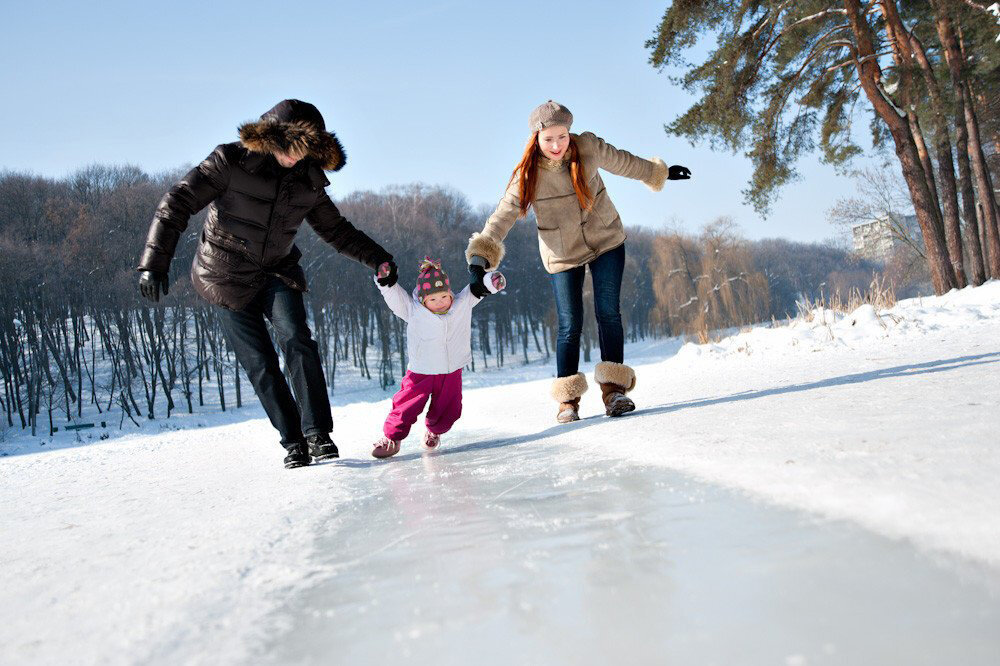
(308, 413)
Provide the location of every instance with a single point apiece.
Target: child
(438, 346)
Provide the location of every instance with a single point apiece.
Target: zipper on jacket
(447, 358)
(270, 218)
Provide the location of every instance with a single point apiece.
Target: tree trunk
(946, 168)
(904, 57)
(870, 75)
(953, 57)
(985, 186)
(984, 183)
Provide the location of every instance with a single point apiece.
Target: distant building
(877, 239)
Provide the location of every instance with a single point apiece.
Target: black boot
(322, 447)
(298, 456)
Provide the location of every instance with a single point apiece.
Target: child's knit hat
(432, 279)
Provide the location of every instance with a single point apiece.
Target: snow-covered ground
(193, 545)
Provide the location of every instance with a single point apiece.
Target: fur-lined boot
(616, 379)
(567, 392)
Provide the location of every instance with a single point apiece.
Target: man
(259, 190)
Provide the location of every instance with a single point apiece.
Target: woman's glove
(678, 172)
(476, 286)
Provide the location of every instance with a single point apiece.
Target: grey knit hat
(550, 114)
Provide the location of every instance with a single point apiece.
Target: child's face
(438, 303)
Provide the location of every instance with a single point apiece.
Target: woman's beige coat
(567, 235)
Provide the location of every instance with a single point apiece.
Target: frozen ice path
(520, 550)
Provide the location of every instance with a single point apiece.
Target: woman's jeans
(606, 275)
(248, 337)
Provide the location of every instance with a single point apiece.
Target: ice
(822, 491)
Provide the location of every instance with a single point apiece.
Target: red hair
(526, 175)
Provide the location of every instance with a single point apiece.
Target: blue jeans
(247, 335)
(606, 275)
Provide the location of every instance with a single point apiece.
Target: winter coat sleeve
(489, 243)
(465, 300)
(198, 188)
(345, 238)
(503, 218)
(398, 300)
(623, 163)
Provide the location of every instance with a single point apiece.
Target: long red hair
(526, 175)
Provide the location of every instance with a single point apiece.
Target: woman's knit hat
(548, 115)
(431, 279)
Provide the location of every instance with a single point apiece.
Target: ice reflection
(518, 554)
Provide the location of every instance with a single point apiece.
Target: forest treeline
(75, 336)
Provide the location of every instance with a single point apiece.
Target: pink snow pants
(445, 392)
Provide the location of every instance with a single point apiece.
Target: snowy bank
(889, 419)
(865, 328)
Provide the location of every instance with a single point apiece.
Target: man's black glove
(151, 283)
(477, 273)
(387, 274)
(678, 172)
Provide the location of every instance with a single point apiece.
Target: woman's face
(554, 141)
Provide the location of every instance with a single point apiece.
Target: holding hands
(480, 281)
(387, 274)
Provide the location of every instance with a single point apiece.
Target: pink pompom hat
(432, 279)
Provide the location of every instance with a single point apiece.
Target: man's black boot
(322, 447)
(298, 456)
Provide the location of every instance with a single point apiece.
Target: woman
(578, 227)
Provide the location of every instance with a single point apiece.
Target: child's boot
(567, 392)
(385, 448)
(431, 440)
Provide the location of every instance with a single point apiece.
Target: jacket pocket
(217, 249)
(225, 239)
(550, 238)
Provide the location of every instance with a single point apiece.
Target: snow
(995, 10)
(189, 545)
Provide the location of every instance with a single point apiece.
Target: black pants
(247, 335)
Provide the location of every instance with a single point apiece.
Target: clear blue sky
(437, 92)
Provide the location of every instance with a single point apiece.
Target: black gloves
(151, 283)
(387, 274)
(678, 172)
(477, 274)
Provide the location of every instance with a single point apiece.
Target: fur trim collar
(268, 135)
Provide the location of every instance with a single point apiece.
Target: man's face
(290, 158)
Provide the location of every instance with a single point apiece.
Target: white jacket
(436, 344)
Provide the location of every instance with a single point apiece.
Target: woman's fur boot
(616, 380)
(567, 392)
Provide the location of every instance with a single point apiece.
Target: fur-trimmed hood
(294, 125)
